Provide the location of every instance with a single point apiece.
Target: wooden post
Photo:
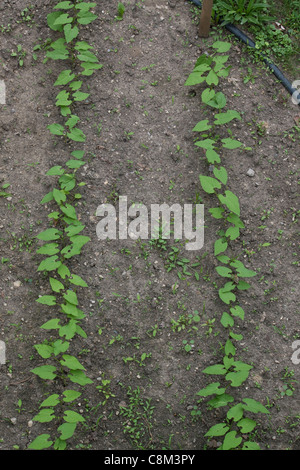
(205, 18)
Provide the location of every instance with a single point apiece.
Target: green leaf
(85, 18)
(229, 348)
(41, 442)
(56, 170)
(221, 174)
(48, 249)
(49, 234)
(59, 196)
(218, 101)
(67, 430)
(80, 96)
(60, 346)
(212, 156)
(224, 118)
(231, 441)
(228, 361)
(74, 164)
(237, 378)
(226, 294)
(236, 336)
(234, 219)
(221, 46)
(217, 430)
(51, 324)
(205, 144)
(56, 129)
(202, 126)
(76, 85)
(71, 362)
(233, 233)
(67, 5)
(47, 300)
(212, 78)
(87, 56)
(73, 417)
(64, 77)
(47, 198)
(79, 377)
(63, 271)
(72, 230)
(45, 372)
(81, 332)
(207, 95)
(78, 154)
(211, 389)
(223, 259)
(62, 99)
(254, 406)
(231, 201)
(121, 11)
(70, 395)
(227, 320)
(220, 400)
(63, 19)
(77, 135)
(223, 271)
(70, 33)
(72, 121)
(69, 211)
(56, 285)
(194, 79)
(49, 264)
(217, 212)
(237, 311)
(217, 369)
(58, 54)
(246, 425)
(220, 246)
(52, 400)
(51, 18)
(231, 144)
(59, 444)
(44, 416)
(77, 281)
(83, 46)
(85, 6)
(209, 184)
(89, 68)
(44, 350)
(248, 445)
(79, 240)
(71, 297)
(236, 412)
(68, 330)
(243, 285)
(242, 271)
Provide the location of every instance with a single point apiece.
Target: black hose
(245, 39)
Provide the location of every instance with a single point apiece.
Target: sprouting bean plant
(63, 239)
(231, 373)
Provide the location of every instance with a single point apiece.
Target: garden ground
(139, 123)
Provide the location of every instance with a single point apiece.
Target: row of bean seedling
(230, 373)
(64, 238)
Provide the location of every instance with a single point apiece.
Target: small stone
(250, 172)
